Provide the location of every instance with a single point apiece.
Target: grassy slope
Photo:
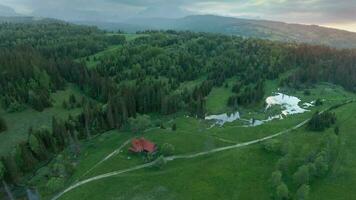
(340, 184)
(111, 49)
(217, 99)
(234, 174)
(19, 122)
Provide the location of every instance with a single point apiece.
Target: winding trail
(172, 158)
(186, 156)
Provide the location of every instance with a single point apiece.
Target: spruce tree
(87, 120)
(11, 168)
(2, 179)
(28, 160)
(110, 115)
(3, 125)
(37, 147)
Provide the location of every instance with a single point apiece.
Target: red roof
(141, 145)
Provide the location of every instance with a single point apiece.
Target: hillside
(226, 117)
(278, 31)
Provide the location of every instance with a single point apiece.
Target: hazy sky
(332, 13)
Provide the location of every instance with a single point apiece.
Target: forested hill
(278, 31)
(34, 57)
(156, 72)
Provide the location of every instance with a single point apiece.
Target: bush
(301, 176)
(307, 92)
(55, 183)
(15, 107)
(303, 192)
(337, 130)
(167, 149)
(160, 162)
(321, 165)
(174, 127)
(140, 123)
(273, 146)
(318, 102)
(282, 191)
(62, 167)
(276, 178)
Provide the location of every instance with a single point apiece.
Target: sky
(331, 13)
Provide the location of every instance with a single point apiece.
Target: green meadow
(240, 173)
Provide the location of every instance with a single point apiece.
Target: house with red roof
(142, 145)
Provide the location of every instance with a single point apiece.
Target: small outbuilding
(142, 145)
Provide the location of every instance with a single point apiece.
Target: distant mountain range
(29, 19)
(277, 31)
(271, 30)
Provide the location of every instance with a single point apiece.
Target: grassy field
(20, 122)
(233, 174)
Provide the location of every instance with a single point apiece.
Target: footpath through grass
(234, 174)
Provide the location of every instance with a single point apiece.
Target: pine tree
(174, 127)
(3, 126)
(38, 147)
(11, 168)
(72, 101)
(59, 133)
(110, 115)
(2, 178)
(87, 120)
(26, 156)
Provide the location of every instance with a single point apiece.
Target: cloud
(7, 11)
(300, 11)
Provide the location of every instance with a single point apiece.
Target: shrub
(160, 162)
(276, 178)
(321, 165)
(282, 191)
(301, 176)
(307, 92)
(318, 102)
(174, 127)
(273, 146)
(167, 149)
(140, 123)
(337, 130)
(303, 192)
(54, 184)
(15, 107)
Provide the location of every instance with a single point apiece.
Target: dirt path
(187, 156)
(108, 156)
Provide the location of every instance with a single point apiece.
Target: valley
(229, 117)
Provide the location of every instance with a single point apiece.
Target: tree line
(32, 57)
(320, 63)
